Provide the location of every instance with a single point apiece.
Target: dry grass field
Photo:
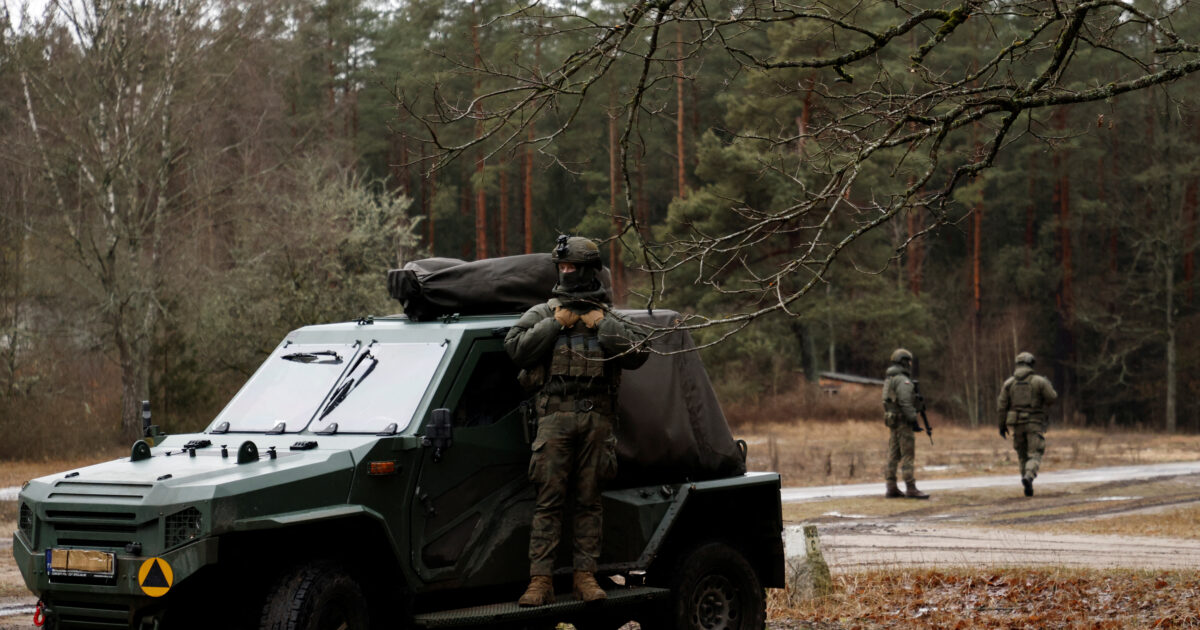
(810, 453)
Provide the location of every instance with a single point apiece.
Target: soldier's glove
(1003, 431)
(565, 316)
(592, 317)
(917, 427)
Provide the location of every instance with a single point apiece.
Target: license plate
(81, 563)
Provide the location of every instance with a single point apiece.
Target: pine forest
(811, 184)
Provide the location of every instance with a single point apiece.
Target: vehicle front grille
(107, 491)
(25, 521)
(181, 527)
(91, 529)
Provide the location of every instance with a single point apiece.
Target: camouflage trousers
(572, 453)
(1030, 445)
(901, 449)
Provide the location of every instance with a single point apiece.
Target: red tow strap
(39, 617)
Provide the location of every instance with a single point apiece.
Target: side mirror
(150, 432)
(439, 433)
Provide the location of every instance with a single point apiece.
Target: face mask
(583, 279)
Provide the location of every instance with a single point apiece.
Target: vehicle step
(509, 611)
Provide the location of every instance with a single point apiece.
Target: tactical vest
(577, 369)
(1020, 395)
(577, 355)
(890, 404)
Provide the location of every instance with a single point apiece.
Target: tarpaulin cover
(434, 287)
(671, 427)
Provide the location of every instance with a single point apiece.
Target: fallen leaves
(1016, 598)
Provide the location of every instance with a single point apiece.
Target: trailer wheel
(715, 588)
(315, 596)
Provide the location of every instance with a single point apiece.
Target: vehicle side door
(470, 520)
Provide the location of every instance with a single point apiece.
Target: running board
(566, 607)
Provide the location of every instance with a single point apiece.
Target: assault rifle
(919, 399)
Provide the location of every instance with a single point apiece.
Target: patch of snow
(840, 515)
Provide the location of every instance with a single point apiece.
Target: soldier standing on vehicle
(900, 416)
(573, 349)
(1022, 405)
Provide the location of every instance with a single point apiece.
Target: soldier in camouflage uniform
(900, 416)
(1022, 405)
(573, 349)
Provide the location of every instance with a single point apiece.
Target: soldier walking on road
(1022, 405)
(574, 353)
(900, 415)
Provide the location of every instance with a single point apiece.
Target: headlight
(25, 521)
(181, 527)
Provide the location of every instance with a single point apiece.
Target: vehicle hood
(173, 477)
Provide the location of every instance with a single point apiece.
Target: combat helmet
(1025, 358)
(899, 355)
(583, 283)
(577, 250)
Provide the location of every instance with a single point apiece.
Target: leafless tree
(108, 134)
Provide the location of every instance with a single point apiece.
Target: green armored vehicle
(373, 474)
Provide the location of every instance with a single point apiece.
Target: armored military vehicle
(373, 474)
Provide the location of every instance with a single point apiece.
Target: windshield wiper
(350, 384)
(314, 357)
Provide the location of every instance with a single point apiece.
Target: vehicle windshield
(288, 388)
(384, 386)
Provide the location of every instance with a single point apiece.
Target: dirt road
(1089, 475)
(985, 521)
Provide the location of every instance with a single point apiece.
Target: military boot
(586, 588)
(910, 491)
(1028, 483)
(893, 492)
(539, 593)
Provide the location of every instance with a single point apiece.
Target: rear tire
(315, 597)
(714, 588)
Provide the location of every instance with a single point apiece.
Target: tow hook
(39, 615)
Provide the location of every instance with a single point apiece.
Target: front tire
(715, 588)
(315, 597)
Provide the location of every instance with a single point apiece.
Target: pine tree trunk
(915, 252)
(679, 116)
(427, 193)
(614, 250)
(1172, 360)
(1189, 231)
(503, 231)
(976, 309)
(1065, 343)
(528, 222)
(481, 245)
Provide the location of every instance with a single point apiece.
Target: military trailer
(373, 474)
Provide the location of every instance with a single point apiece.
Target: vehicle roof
(401, 328)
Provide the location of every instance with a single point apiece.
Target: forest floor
(1103, 554)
